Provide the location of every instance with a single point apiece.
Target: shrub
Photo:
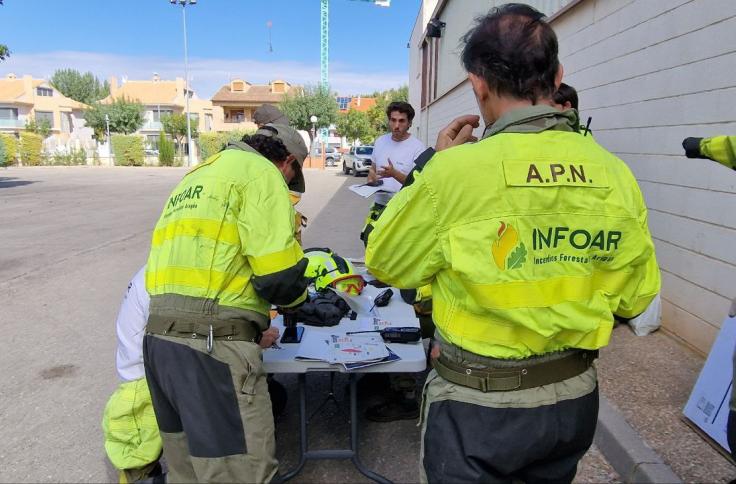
(128, 150)
(2, 153)
(31, 145)
(211, 143)
(10, 143)
(165, 150)
(74, 157)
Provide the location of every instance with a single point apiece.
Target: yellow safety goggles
(352, 284)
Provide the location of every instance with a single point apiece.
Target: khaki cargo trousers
(213, 409)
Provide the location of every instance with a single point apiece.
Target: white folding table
(413, 359)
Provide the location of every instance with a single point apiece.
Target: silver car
(358, 160)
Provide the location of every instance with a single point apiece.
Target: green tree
(176, 126)
(85, 88)
(42, 128)
(165, 150)
(300, 105)
(126, 117)
(355, 125)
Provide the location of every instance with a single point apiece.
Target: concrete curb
(625, 450)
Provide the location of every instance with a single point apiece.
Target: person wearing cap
(222, 252)
(269, 114)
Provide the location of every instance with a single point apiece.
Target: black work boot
(396, 407)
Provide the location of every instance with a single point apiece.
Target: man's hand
(459, 131)
(269, 337)
(372, 174)
(435, 351)
(391, 172)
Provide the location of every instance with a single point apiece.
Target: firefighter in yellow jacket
(222, 252)
(533, 239)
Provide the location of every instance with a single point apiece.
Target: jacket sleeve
(404, 248)
(266, 229)
(644, 283)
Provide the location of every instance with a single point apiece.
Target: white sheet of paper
(372, 324)
(364, 190)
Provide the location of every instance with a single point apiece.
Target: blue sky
(227, 39)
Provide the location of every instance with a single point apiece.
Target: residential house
(649, 74)
(357, 103)
(24, 99)
(160, 98)
(239, 99)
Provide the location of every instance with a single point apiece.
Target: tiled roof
(254, 94)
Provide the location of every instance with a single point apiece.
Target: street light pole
(184, 4)
(109, 140)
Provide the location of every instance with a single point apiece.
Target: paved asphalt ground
(71, 239)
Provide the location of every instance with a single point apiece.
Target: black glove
(692, 147)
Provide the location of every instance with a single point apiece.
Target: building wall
(452, 95)
(650, 73)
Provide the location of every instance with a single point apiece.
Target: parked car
(358, 160)
(332, 155)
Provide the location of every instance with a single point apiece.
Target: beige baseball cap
(295, 144)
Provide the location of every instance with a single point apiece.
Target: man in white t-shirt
(394, 155)
(393, 159)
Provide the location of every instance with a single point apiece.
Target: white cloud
(207, 74)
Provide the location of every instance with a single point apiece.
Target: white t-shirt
(402, 154)
(131, 327)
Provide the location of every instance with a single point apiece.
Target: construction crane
(324, 43)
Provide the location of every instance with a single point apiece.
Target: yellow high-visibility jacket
(227, 234)
(129, 424)
(532, 239)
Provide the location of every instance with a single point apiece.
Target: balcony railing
(153, 125)
(11, 123)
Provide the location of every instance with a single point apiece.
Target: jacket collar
(534, 119)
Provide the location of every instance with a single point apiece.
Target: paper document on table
(315, 345)
(357, 348)
(362, 364)
(341, 348)
(365, 191)
(372, 324)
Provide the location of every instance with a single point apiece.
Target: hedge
(128, 150)
(31, 146)
(165, 150)
(211, 143)
(10, 143)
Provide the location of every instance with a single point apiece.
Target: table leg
(302, 430)
(354, 434)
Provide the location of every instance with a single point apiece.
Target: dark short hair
(402, 107)
(566, 93)
(514, 50)
(268, 146)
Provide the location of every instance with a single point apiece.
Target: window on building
(278, 87)
(235, 116)
(8, 113)
(238, 86)
(66, 122)
(45, 115)
(208, 122)
(160, 113)
(44, 91)
(194, 118)
(343, 102)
